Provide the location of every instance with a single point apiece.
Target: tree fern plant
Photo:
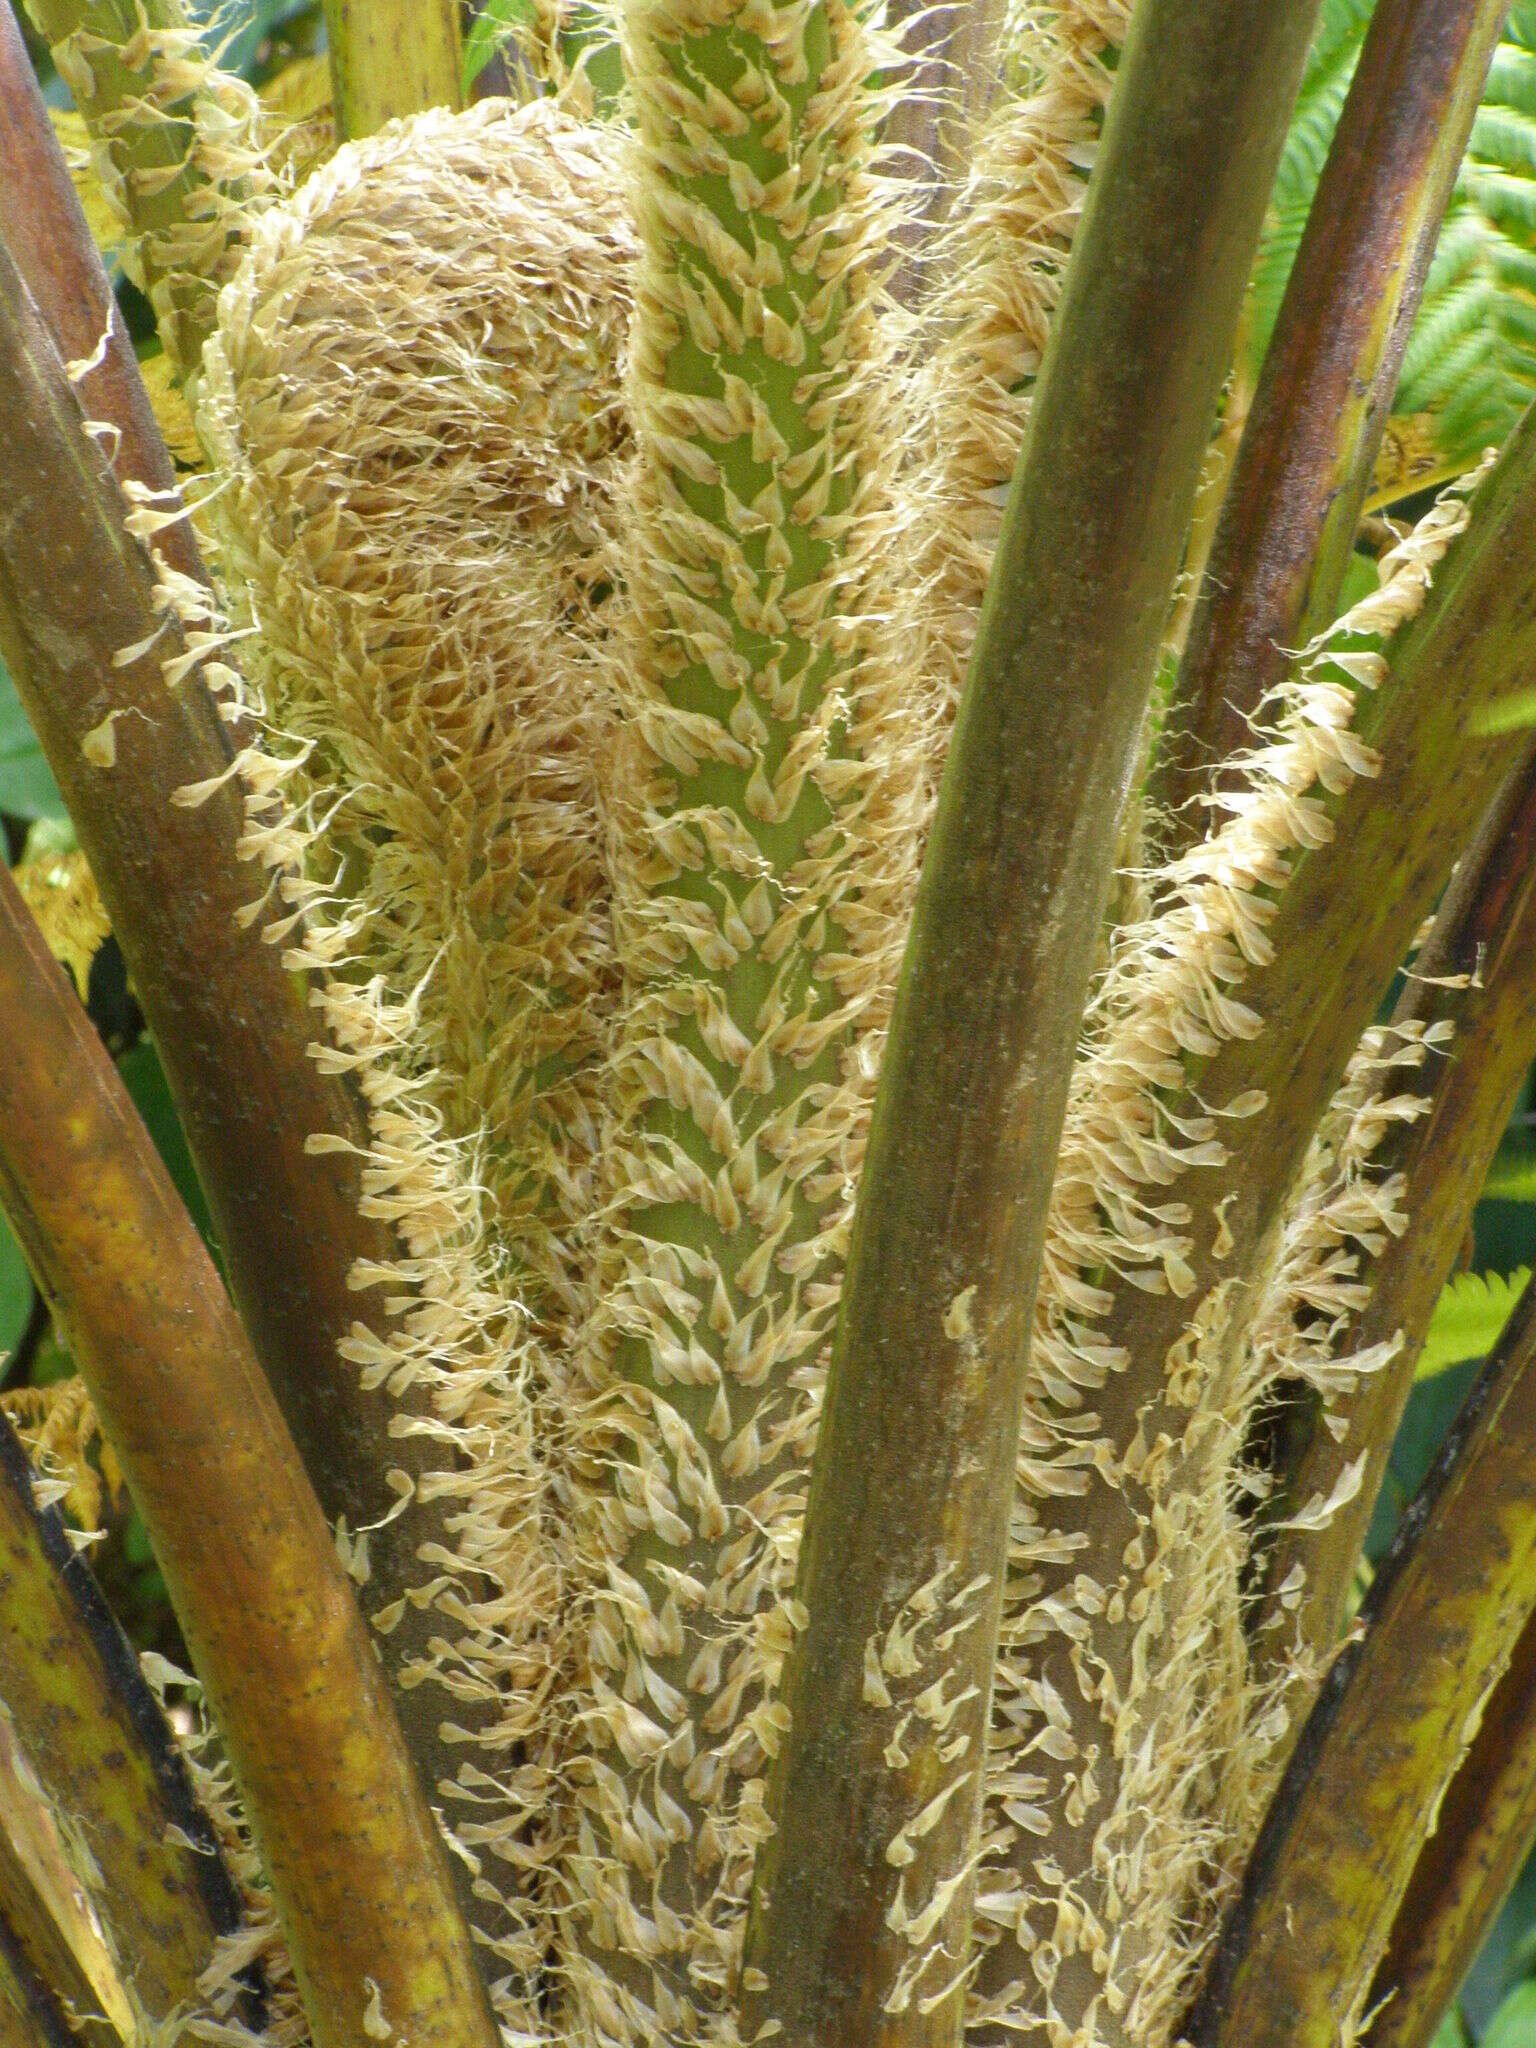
(842, 937)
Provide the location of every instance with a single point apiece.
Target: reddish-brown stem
(914, 1472)
(1325, 392)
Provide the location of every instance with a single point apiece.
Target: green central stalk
(762, 870)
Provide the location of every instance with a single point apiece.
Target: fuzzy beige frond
(999, 269)
(412, 405)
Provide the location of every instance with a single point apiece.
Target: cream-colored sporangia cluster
(764, 807)
(1128, 1733)
(412, 409)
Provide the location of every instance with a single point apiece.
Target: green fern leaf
(1469, 1318)
(1470, 367)
(1512, 1177)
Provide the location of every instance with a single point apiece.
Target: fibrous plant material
(956, 61)
(1325, 392)
(357, 1869)
(764, 807)
(60, 891)
(1347, 1210)
(104, 1758)
(413, 409)
(861, 1922)
(61, 1433)
(1391, 1726)
(177, 149)
(390, 58)
(1472, 987)
(1123, 1663)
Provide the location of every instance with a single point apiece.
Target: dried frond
(1344, 1210)
(60, 891)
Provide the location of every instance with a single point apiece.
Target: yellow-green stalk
(45, 1904)
(392, 57)
(30, 2013)
(1484, 1826)
(762, 809)
(104, 1758)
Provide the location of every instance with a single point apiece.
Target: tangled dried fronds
(1342, 1215)
(300, 115)
(1347, 1206)
(763, 816)
(176, 145)
(60, 891)
(1117, 1695)
(565, 47)
(75, 1464)
(413, 406)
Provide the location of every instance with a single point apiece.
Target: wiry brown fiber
(412, 406)
(763, 812)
